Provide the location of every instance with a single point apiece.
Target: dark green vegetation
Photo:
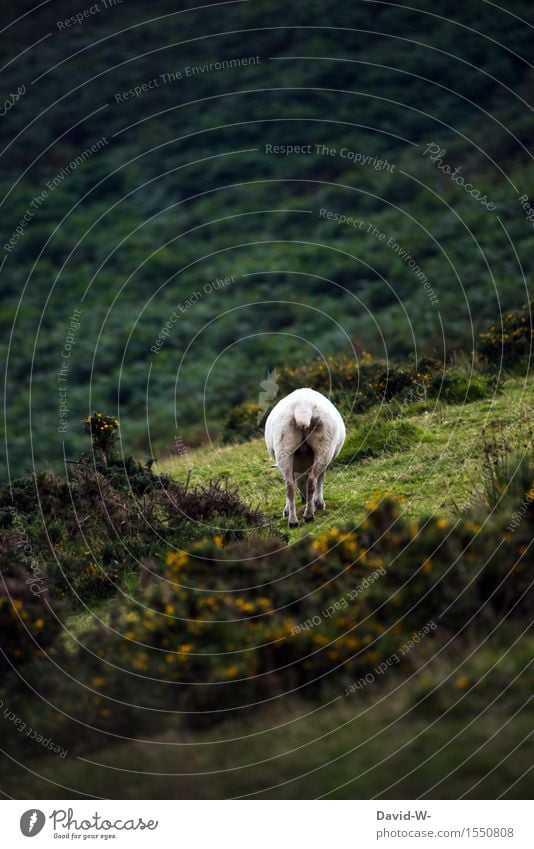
(164, 258)
(381, 743)
(182, 193)
(509, 341)
(85, 534)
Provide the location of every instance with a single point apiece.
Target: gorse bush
(356, 385)
(223, 622)
(92, 528)
(244, 421)
(508, 343)
(219, 627)
(485, 675)
(103, 431)
(29, 621)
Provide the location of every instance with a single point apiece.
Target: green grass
(435, 465)
(373, 437)
(84, 620)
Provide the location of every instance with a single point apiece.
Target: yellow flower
(186, 647)
(442, 523)
(231, 671)
(98, 681)
(176, 558)
(218, 540)
(39, 623)
(321, 544)
(427, 567)
(461, 682)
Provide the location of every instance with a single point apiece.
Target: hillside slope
(439, 470)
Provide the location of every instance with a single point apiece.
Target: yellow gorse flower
(231, 671)
(176, 559)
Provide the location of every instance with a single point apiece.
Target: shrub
(507, 343)
(459, 386)
(484, 676)
(355, 386)
(241, 422)
(217, 628)
(103, 432)
(28, 620)
(91, 528)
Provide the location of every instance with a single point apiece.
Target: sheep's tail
(302, 414)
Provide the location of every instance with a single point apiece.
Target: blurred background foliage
(184, 193)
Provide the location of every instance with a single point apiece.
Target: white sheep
(303, 434)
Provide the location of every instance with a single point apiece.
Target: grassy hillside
(437, 470)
